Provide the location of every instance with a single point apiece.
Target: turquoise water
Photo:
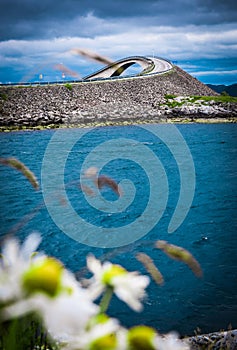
(208, 231)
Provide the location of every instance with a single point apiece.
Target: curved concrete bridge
(149, 65)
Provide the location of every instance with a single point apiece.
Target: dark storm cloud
(27, 19)
(45, 31)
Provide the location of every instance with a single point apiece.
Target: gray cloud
(27, 19)
(35, 35)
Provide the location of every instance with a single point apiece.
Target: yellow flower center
(107, 342)
(113, 271)
(141, 337)
(44, 276)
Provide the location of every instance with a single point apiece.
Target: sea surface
(154, 167)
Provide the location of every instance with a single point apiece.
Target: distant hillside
(230, 89)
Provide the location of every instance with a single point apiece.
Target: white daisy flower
(14, 261)
(70, 311)
(100, 336)
(53, 292)
(128, 286)
(170, 342)
(141, 337)
(101, 333)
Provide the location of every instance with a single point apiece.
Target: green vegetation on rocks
(3, 96)
(68, 86)
(177, 101)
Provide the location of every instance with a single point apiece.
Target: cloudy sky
(38, 35)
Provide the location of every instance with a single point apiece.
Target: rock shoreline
(226, 340)
(115, 102)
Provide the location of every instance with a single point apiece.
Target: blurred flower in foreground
(65, 314)
(41, 284)
(128, 286)
(170, 342)
(146, 338)
(141, 338)
(101, 333)
(14, 262)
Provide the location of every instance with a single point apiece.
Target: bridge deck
(149, 65)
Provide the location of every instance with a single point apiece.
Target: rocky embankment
(140, 100)
(226, 340)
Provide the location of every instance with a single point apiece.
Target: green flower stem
(104, 304)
